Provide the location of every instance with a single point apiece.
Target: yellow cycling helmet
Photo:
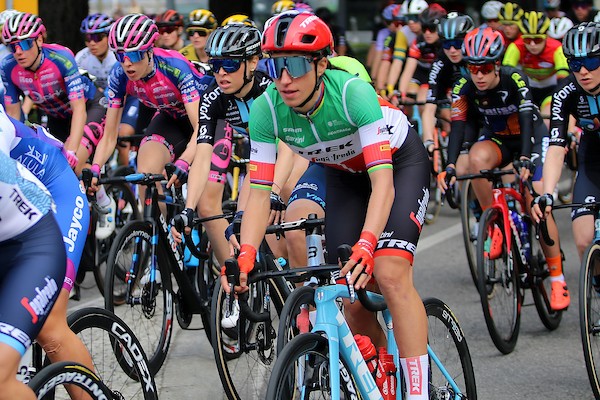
(534, 23)
(238, 19)
(281, 6)
(202, 19)
(511, 12)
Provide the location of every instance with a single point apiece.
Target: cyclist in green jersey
(333, 118)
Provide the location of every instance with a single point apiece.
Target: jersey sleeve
(116, 87)
(414, 51)
(400, 46)
(11, 92)
(210, 112)
(560, 63)
(512, 56)
(563, 99)
(459, 113)
(74, 82)
(363, 110)
(263, 148)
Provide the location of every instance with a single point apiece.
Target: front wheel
(589, 314)
(498, 283)
(294, 319)
(109, 339)
(245, 351)
(542, 287)
(145, 303)
(302, 371)
(447, 341)
(48, 384)
(470, 212)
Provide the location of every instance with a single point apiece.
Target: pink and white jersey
(56, 81)
(173, 83)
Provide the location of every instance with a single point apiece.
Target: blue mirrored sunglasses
(590, 63)
(456, 43)
(296, 66)
(134, 56)
(25, 45)
(228, 64)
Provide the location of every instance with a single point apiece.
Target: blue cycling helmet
(582, 40)
(96, 23)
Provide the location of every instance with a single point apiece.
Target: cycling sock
(102, 198)
(416, 373)
(555, 267)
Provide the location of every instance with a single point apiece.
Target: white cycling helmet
(413, 7)
(551, 4)
(559, 27)
(6, 14)
(491, 9)
(597, 17)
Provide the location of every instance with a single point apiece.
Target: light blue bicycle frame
(332, 323)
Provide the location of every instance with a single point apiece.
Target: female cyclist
(161, 79)
(510, 18)
(513, 130)
(201, 24)
(33, 265)
(333, 118)
(577, 96)
(540, 57)
(48, 74)
(234, 51)
(96, 57)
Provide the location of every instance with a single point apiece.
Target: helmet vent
(281, 31)
(308, 38)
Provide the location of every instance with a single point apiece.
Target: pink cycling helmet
(22, 26)
(132, 32)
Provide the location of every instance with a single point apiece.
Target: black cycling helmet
(455, 26)
(234, 41)
(432, 15)
(582, 40)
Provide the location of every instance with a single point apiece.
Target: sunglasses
(24, 44)
(448, 44)
(483, 68)
(296, 66)
(533, 39)
(590, 63)
(133, 56)
(167, 29)
(94, 37)
(228, 64)
(202, 32)
(581, 5)
(493, 20)
(432, 28)
(412, 17)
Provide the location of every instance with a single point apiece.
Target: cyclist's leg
(212, 197)
(33, 266)
(308, 197)
(485, 154)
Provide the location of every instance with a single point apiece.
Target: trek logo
(76, 225)
(328, 149)
(136, 353)
(15, 333)
(40, 304)
(22, 205)
(415, 372)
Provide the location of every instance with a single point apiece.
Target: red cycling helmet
(482, 46)
(169, 18)
(298, 32)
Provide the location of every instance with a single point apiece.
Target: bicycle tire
(542, 287)
(288, 328)
(152, 322)
(104, 334)
(48, 381)
(469, 227)
(305, 348)
(448, 342)
(245, 374)
(589, 316)
(498, 286)
(124, 197)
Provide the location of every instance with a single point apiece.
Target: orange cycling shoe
(493, 245)
(560, 298)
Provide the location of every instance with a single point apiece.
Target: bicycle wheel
(294, 315)
(48, 384)
(542, 287)
(447, 340)
(302, 371)
(245, 371)
(109, 339)
(127, 210)
(435, 193)
(589, 314)
(149, 306)
(469, 211)
(498, 285)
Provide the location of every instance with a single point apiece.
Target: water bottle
(523, 229)
(368, 351)
(314, 245)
